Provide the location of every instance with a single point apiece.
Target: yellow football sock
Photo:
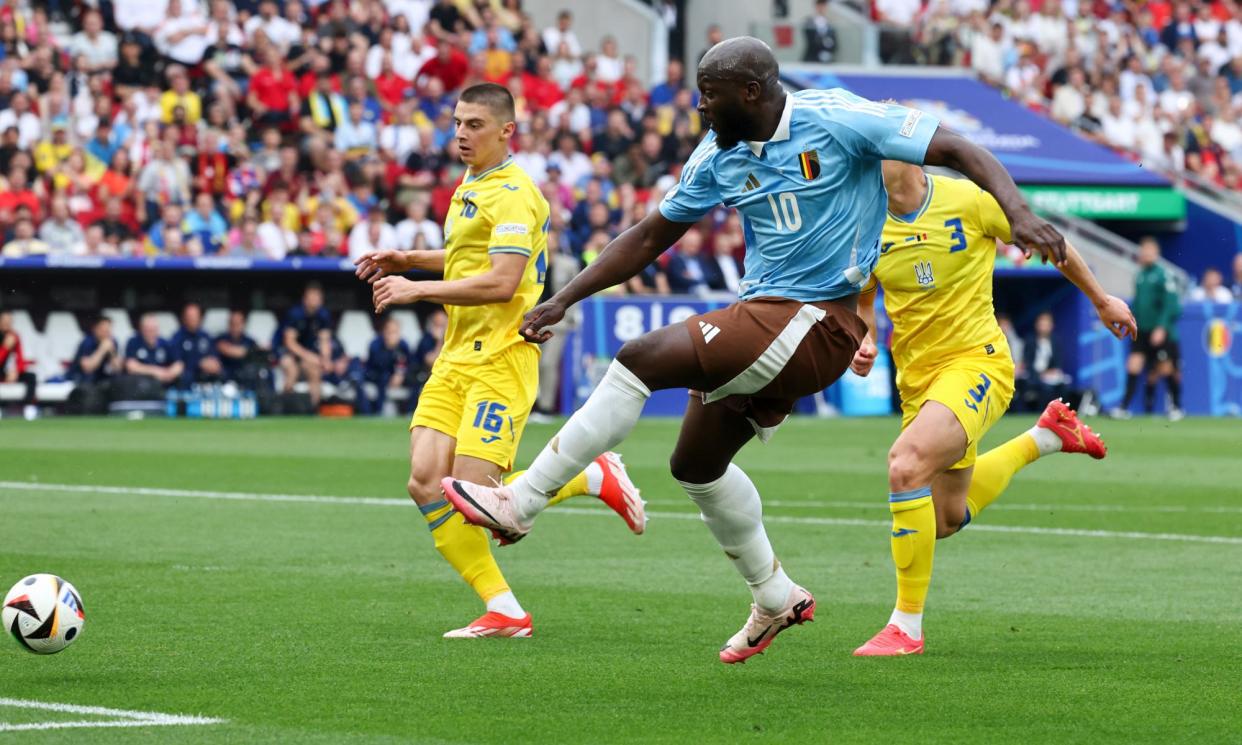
(914, 545)
(994, 469)
(576, 487)
(466, 548)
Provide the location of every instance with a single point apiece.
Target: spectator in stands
(372, 234)
(235, 348)
(18, 193)
(194, 349)
(689, 271)
(415, 225)
(206, 225)
(1043, 379)
(15, 368)
(674, 80)
(819, 37)
(116, 229)
(1211, 288)
(168, 232)
(18, 114)
(93, 46)
(729, 244)
(305, 349)
(1237, 276)
(98, 357)
(273, 92)
(356, 137)
(562, 33)
(24, 243)
(164, 180)
(62, 234)
(149, 355)
(387, 366)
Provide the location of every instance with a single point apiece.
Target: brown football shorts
(760, 356)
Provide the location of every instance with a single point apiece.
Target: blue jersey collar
(782, 129)
(915, 215)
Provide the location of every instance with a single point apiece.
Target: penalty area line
(120, 717)
(785, 519)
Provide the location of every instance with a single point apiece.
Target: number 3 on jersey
(785, 211)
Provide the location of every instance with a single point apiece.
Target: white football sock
(911, 623)
(595, 478)
(603, 421)
(731, 507)
(1046, 440)
(507, 604)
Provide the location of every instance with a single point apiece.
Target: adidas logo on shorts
(709, 331)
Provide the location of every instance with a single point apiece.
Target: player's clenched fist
(864, 358)
(535, 323)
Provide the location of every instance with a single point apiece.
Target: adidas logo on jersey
(709, 331)
(752, 183)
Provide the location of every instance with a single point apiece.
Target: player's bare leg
(464, 547)
(711, 435)
(960, 495)
(933, 442)
(664, 358)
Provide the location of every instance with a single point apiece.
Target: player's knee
(694, 470)
(423, 487)
(632, 353)
(906, 468)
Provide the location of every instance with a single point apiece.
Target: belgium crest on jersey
(809, 163)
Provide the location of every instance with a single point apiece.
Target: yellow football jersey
(498, 211)
(936, 270)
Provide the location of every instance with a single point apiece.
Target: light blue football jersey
(812, 198)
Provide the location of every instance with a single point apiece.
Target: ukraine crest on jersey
(812, 199)
(498, 211)
(936, 270)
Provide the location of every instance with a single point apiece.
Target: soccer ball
(44, 613)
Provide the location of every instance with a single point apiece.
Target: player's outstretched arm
(496, 285)
(1113, 311)
(624, 257)
(376, 264)
(1029, 232)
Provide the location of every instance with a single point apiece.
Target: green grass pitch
(1054, 618)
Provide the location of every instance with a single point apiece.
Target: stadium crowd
(1160, 82)
(260, 129)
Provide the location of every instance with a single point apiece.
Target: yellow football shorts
(483, 406)
(976, 388)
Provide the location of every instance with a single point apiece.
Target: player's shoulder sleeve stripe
(519, 250)
(838, 98)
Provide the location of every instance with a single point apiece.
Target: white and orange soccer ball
(43, 613)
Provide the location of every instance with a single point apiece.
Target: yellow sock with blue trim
(994, 469)
(914, 545)
(578, 486)
(465, 547)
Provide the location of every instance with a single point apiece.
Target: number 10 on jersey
(785, 211)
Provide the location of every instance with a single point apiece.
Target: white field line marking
(385, 502)
(790, 519)
(122, 717)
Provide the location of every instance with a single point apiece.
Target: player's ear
(507, 130)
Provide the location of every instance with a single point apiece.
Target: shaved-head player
(803, 170)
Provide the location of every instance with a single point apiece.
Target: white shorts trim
(765, 369)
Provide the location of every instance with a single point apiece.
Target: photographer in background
(14, 365)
